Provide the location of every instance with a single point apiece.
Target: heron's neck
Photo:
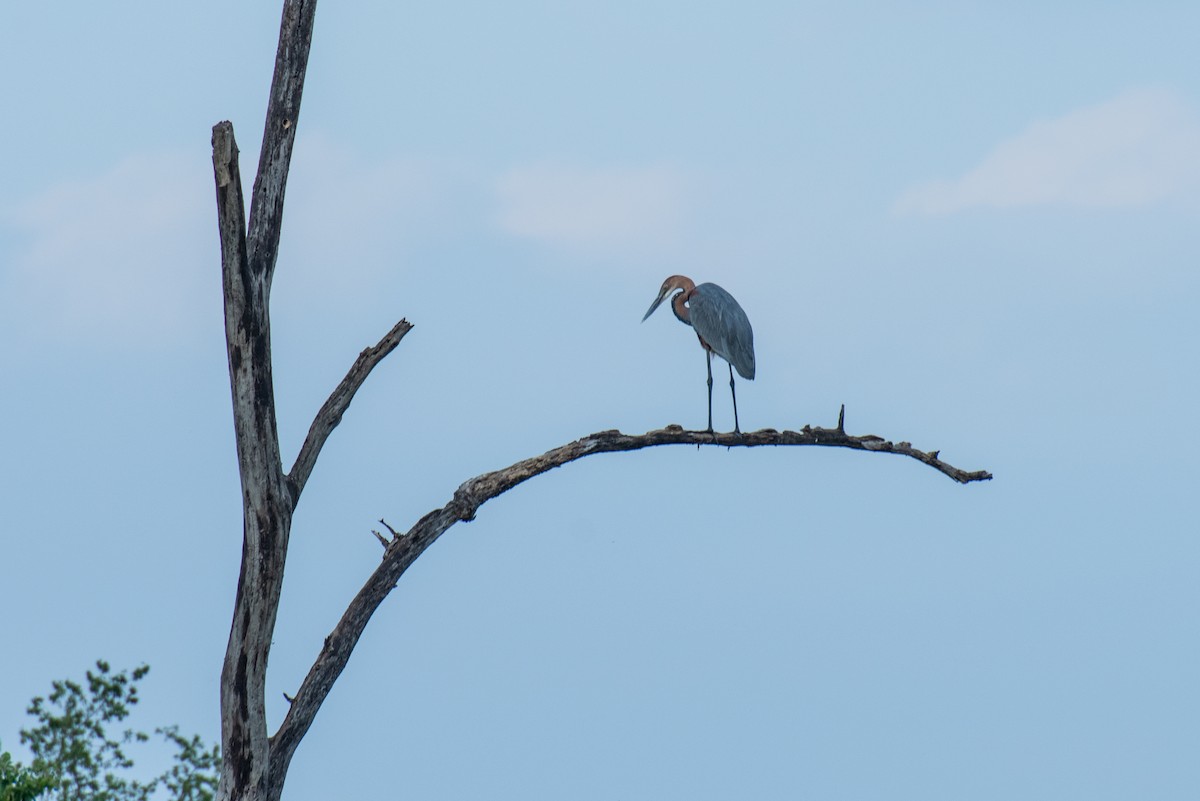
(680, 310)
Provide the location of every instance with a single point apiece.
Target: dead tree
(255, 764)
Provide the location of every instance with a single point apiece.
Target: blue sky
(975, 226)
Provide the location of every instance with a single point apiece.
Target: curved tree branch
(401, 551)
(337, 403)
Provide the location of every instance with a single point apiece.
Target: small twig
(290, 699)
(384, 541)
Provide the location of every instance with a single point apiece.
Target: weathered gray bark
(266, 506)
(268, 495)
(401, 550)
(255, 766)
(248, 254)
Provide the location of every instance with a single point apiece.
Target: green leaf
(75, 759)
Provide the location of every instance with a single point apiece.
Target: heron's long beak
(654, 305)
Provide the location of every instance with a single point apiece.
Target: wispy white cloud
(119, 255)
(1140, 147)
(615, 208)
(348, 217)
(132, 254)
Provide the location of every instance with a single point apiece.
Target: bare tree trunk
(266, 507)
(248, 255)
(255, 766)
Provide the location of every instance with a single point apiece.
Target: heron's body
(720, 324)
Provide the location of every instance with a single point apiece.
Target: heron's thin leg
(708, 356)
(736, 429)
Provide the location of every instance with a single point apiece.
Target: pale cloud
(349, 218)
(132, 255)
(615, 208)
(121, 255)
(1140, 147)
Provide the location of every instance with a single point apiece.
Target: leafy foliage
(76, 759)
(193, 777)
(19, 783)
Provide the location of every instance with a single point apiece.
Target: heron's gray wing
(721, 322)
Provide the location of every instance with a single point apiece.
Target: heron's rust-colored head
(681, 282)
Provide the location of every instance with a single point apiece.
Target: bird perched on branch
(720, 325)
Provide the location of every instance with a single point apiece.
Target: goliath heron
(720, 325)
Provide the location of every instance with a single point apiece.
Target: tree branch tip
(289, 698)
(403, 326)
(841, 426)
(395, 534)
(382, 539)
(934, 455)
(225, 153)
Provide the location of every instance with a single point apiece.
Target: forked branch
(402, 550)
